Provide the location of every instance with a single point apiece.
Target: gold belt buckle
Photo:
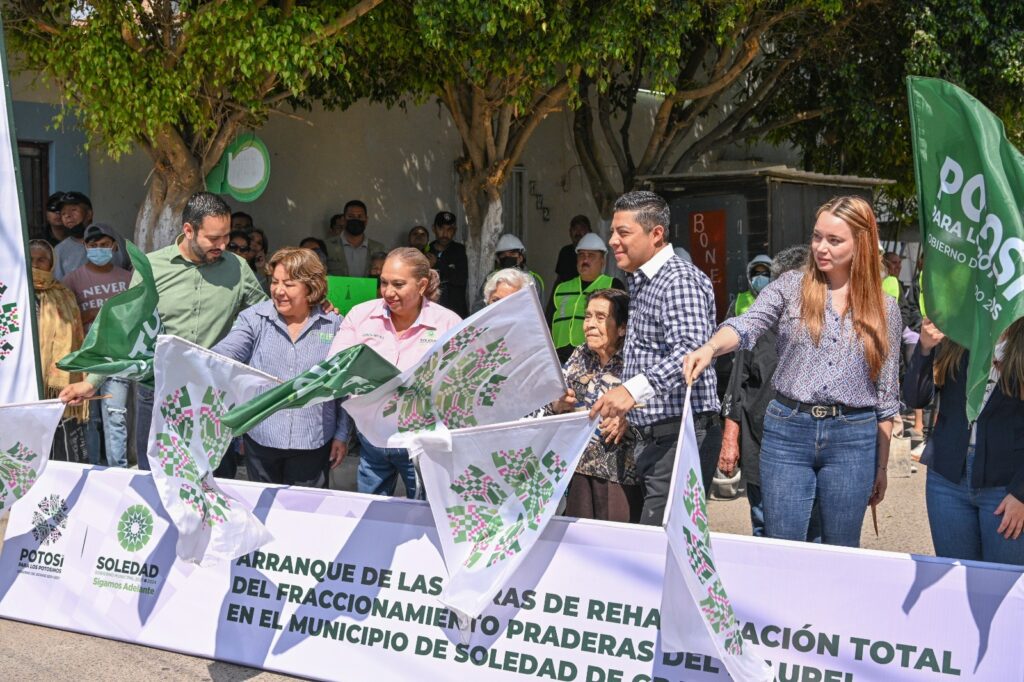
(819, 411)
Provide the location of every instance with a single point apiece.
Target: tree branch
(342, 22)
(548, 103)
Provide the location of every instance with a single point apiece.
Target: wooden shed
(726, 218)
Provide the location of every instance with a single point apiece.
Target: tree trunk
(159, 219)
(482, 202)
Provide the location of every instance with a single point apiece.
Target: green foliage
(859, 80)
(130, 69)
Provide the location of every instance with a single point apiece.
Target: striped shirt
(671, 313)
(260, 339)
(835, 370)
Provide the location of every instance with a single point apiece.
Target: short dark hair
(202, 205)
(240, 234)
(354, 202)
(650, 208)
(241, 214)
(580, 220)
(319, 243)
(378, 255)
(335, 218)
(619, 301)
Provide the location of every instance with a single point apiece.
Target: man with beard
(76, 214)
(202, 289)
(348, 253)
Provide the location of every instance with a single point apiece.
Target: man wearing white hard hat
(510, 252)
(569, 303)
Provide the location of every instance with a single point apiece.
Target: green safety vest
(891, 286)
(744, 300)
(570, 307)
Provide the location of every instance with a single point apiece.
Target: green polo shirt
(199, 303)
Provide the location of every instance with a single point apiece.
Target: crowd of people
(807, 413)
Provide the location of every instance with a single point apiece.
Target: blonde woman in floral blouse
(605, 485)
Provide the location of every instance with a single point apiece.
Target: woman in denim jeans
(975, 488)
(826, 433)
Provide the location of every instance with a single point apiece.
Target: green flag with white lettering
(122, 338)
(353, 371)
(970, 185)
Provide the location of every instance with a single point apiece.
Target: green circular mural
(243, 171)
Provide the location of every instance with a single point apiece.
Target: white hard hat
(591, 242)
(509, 242)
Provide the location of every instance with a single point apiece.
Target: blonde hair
(947, 359)
(865, 303)
(420, 267)
(302, 265)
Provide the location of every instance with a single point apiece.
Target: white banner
(497, 365)
(18, 377)
(493, 494)
(348, 590)
(26, 437)
(697, 613)
(194, 387)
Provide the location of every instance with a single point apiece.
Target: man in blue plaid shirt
(672, 312)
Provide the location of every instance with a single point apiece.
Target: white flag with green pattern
(194, 387)
(492, 496)
(25, 440)
(499, 364)
(696, 615)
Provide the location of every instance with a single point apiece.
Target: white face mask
(999, 351)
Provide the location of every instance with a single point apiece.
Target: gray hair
(513, 277)
(650, 208)
(789, 259)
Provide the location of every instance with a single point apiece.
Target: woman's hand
(75, 394)
(613, 429)
(567, 403)
(930, 336)
(338, 451)
(881, 483)
(696, 362)
(1012, 510)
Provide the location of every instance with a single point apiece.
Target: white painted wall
(398, 161)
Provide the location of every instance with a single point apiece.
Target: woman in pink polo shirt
(401, 326)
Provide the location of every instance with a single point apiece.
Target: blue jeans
(756, 501)
(963, 521)
(379, 469)
(111, 413)
(831, 459)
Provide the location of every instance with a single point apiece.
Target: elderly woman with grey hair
(505, 282)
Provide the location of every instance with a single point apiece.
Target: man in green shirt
(202, 288)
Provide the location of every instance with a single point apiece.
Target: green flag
(122, 338)
(353, 371)
(347, 292)
(970, 186)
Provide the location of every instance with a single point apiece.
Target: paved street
(902, 526)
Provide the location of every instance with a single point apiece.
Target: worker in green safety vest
(569, 303)
(893, 263)
(759, 271)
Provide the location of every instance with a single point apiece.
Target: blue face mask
(758, 282)
(99, 255)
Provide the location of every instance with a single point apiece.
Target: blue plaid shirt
(671, 313)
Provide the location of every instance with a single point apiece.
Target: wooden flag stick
(874, 518)
(99, 397)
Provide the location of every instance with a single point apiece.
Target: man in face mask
(76, 214)
(93, 284)
(348, 253)
(509, 252)
(758, 277)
